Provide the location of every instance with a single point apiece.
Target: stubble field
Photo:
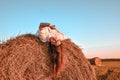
(109, 70)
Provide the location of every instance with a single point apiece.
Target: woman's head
(42, 25)
(52, 26)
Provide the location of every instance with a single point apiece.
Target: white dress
(47, 32)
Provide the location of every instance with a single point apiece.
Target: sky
(94, 25)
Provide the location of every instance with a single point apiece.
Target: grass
(110, 70)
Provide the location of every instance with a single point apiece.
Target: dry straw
(96, 61)
(27, 58)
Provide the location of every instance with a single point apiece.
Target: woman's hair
(43, 25)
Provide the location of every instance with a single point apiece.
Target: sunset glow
(94, 25)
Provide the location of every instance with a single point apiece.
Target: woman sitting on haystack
(48, 33)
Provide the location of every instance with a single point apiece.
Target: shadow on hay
(27, 58)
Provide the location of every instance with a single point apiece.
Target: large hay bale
(27, 58)
(96, 61)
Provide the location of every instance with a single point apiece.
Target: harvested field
(110, 70)
(27, 58)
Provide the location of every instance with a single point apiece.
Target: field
(110, 70)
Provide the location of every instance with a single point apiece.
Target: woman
(48, 33)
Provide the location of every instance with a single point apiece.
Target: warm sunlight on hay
(27, 58)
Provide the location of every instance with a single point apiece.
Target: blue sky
(89, 23)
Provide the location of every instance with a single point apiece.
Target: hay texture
(96, 61)
(27, 58)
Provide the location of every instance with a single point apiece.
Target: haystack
(96, 61)
(27, 58)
